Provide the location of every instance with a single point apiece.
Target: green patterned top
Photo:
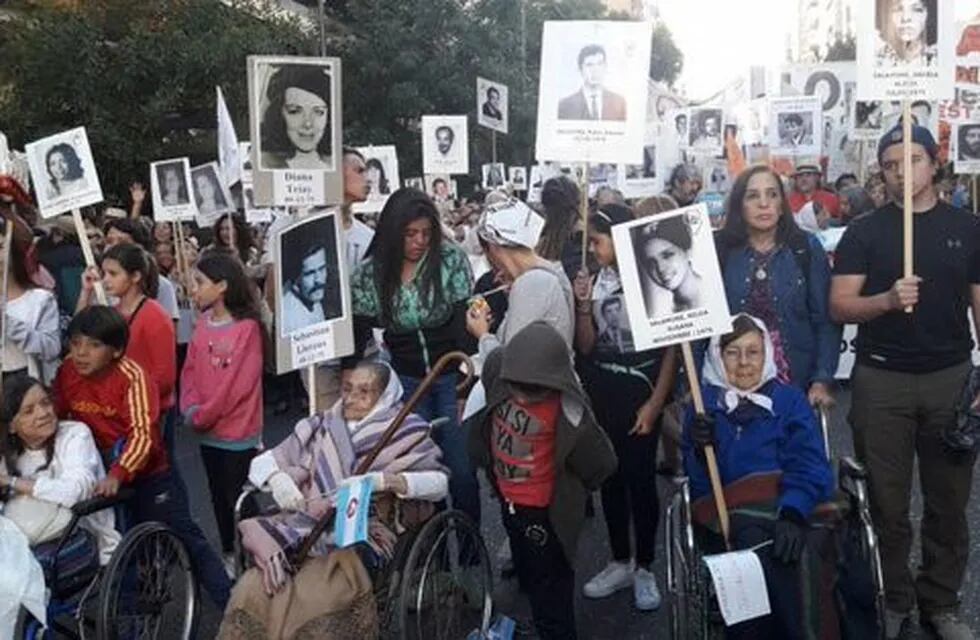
(410, 311)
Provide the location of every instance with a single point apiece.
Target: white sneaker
(616, 576)
(646, 596)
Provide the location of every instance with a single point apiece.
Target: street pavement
(613, 618)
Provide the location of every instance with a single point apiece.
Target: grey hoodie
(584, 457)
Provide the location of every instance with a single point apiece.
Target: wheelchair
(147, 590)
(438, 583)
(693, 611)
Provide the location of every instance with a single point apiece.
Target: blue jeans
(440, 402)
(158, 499)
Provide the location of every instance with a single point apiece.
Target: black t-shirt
(946, 253)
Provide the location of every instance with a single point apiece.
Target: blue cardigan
(811, 341)
(750, 440)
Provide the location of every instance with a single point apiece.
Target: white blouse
(33, 334)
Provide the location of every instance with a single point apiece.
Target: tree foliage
(141, 75)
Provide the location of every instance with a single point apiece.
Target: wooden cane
(441, 365)
(907, 191)
(709, 451)
(311, 389)
(76, 217)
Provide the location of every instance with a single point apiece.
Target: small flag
(227, 144)
(353, 506)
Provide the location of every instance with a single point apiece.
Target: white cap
(510, 223)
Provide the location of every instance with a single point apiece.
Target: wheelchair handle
(98, 503)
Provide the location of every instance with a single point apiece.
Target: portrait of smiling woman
(65, 174)
(668, 278)
(295, 130)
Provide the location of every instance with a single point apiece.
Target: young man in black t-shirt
(907, 380)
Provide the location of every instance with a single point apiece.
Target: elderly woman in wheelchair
(772, 463)
(303, 474)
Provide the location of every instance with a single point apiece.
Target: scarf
(714, 373)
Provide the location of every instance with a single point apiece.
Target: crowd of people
(183, 351)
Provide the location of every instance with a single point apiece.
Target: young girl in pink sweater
(221, 384)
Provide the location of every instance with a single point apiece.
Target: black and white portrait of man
(309, 276)
(593, 101)
(968, 142)
(795, 128)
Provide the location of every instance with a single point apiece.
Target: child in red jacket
(113, 395)
(221, 384)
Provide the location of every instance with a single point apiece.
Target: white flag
(227, 144)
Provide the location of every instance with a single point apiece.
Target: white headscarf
(390, 396)
(714, 371)
(510, 223)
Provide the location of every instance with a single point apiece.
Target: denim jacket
(811, 341)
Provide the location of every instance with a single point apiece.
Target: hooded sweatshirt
(582, 456)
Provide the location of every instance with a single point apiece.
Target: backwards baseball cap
(510, 223)
(920, 135)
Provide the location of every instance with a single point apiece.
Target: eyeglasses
(751, 354)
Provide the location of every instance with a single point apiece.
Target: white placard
(254, 214)
(491, 105)
(445, 145)
(965, 139)
(170, 182)
(440, 187)
(592, 102)
(381, 173)
(518, 178)
(63, 172)
(211, 194)
(295, 122)
(905, 49)
(673, 286)
(642, 180)
(796, 126)
(873, 119)
(704, 130)
(312, 293)
(740, 585)
(494, 175)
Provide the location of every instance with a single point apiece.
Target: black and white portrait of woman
(63, 172)
(296, 126)
(668, 278)
(907, 33)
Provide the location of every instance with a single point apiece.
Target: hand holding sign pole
(76, 216)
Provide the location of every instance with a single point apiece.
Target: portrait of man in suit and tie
(593, 101)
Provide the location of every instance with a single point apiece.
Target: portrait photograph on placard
(210, 194)
(641, 180)
(415, 183)
(170, 184)
(716, 178)
(253, 213)
(518, 178)
(295, 117)
(445, 145)
(381, 174)
(245, 157)
(966, 147)
(871, 119)
(671, 280)
(677, 127)
(440, 187)
(704, 130)
(63, 172)
(491, 105)
(494, 175)
(796, 126)
(905, 49)
(312, 303)
(592, 100)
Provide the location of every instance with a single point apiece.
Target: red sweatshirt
(116, 403)
(221, 384)
(153, 345)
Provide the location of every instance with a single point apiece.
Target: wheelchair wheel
(446, 582)
(149, 589)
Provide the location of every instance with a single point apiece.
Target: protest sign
(740, 585)
(170, 183)
(63, 172)
(494, 175)
(445, 145)
(518, 178)
(796, 126)
(491, 105)
(211, 194)
(381, 173)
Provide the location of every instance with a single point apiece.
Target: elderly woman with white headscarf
(772, 463)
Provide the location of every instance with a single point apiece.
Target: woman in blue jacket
(778, 273)
(772, 463)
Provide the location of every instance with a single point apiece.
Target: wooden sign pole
(907, 212)
(709, 451)
(311, 388)
(493, 149)
(8, 237)
(584, 210)
(973, 198)
(76, 216)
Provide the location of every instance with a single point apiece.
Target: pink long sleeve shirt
(221, 384)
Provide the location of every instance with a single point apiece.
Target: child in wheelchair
(303, 474)
(773, 465)
(50, 466)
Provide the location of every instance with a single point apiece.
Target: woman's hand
(820, 396)
(90, 276)
(478, 319)
(395, 483)
(646, 418)
(583, 287)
